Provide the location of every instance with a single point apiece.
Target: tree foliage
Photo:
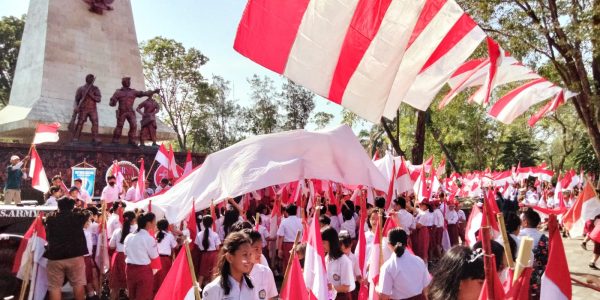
(11, 31)
(322, 119)
(263, 116)
(298, 103)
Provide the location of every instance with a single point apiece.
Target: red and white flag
(495, 55)
(375, 261)
(178, 283)
(141, 183)
(31, 251)
(315, 274)
(586, 207)
(188, 167)
(102, 258)
(192, 224)
(403, 181)
(420, 187)
(39, 180)
(295, 287)
(390, 192)
(116, 171)
(162, 156)
(556, 284)
(551, 106)
(173, 172)
(493, 283)
(370, 55)
(441, 169)
(46, 133)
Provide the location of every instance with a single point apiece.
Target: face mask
(112, 183)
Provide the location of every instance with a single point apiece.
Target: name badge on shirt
(336, 277)
(262, 294)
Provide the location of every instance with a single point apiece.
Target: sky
(207, 25)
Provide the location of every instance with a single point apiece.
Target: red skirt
(159, 277)
(435, 241)
(343, 296)
(461, 232)
(453, 234)
(286, 248)
(139, 282)
(208, 260)
(117, 277)
(90, 269)
(420, 243)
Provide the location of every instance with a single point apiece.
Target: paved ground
(578, 260)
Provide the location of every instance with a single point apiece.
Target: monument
(63, 41)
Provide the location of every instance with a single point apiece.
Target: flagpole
(507, 251)
(149, 170)
(487, 251)
(289, 262)
(101, 245)
(193, 273)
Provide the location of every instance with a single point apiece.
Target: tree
(563, 37)
(11, 31)
(322, 119)
(263, 116)
(175, 70)
(298, 103)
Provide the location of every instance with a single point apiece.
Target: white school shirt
(265, 220)
(51, 201)
(113, 224)
(339, 272)
(84, 196)
(355, 267)
(334, 222)
(532, 233)
(289, 227)
(369, 238)
(214, 291)
(406, 220)
(264, 261)
(115, 241)
(110, 193)
(403, 277)
(213, 240)
(451, 217)
(263, 281)
(461, 216)
(350, 226)
(88, 240)
(93, 228)
(426, 218)
(439, 218)
(130, 195)
(263, 235)
(167, 244)
(140, 248)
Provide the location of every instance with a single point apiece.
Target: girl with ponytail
(166, 243)
(208, 243)
(403, 275)
(340, 273)
(140, 250)
(117, 280)
(231, 278)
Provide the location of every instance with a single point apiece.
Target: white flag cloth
(46, 133)
(267, 160)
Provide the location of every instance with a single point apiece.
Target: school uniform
(209, 255)
(420, 238)
(350, 226)
(118, 278)
(435, 240)
(214, 291)
(406, 220)
(340, 272)
(263, 281)
(288, 229)
(88, 259)
(113, 223)
(140, 250)
(165, 249)
(452, 219)
(403, 277)
(462, 219)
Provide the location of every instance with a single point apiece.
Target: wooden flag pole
(292, 255)
(192, 272)
(150, 170)
(523, 257)
(101, 245)
(507, 251)
(487, 250)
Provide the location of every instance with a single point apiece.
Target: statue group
(88, 95)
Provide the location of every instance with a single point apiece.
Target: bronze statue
(99, 6)
(125, 96)
(148, 124)
(86, 98)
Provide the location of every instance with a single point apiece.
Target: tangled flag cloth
(266, 160)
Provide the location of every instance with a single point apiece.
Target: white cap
(14, 157)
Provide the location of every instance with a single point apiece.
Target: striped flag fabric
(29, 260)
(188, 167)
(173, 172)
(294, 281)
(315, 274)
(178, 283)
(39, 180)
(555, 285)
(495, 55)
(366, 55)
(162, 156)
(552, 105)
(141, 183)
(375, 261)
(46, 133)
(403, 181)
(586, 207)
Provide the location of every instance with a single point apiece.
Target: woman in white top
(261, 275)
(91, 288)
(403, 275)
(232, 280)
(208, 242)
(140, 250)
(425, 226)
(117, 279)
(166, 243)
(340, 274)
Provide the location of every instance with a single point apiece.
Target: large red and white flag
(29, 259)
(39, 180)
(162, 156)
(473, 225)
(315, 274)
(375, 261)
(188, 167)
(46, 133)
(556, 284)
(367, 56)
(403, 181)
(420, 187)
(586, 207)
(495, 55)
(178, 283)
(173, 172)
(551, 106)
(295, 287)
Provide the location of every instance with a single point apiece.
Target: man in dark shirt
(14, 175)
(65, 250)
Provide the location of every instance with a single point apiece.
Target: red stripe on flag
(268, 30)
(51, 128)
(430, 9)
(500, 104)
(363, 28)
(468, 66)
(459, 30)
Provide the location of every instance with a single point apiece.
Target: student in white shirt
(140, 250)
(83, 194)
(332, 213)
(117, 279)
(286, 234)
(113, 222)
(166, 243)
(346, 246)
(403, 275)
(91, 288)
(208, 243)
(132, 190)
(55, 194)
(452, 219)
(261, 275)
(425, 226)
(110, 193)
(340, 274)
(234, 264)
(405, 218)
(348, 221)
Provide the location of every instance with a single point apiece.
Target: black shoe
(593, 266)
(584, 246)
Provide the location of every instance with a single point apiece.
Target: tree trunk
(395, 141)
(436, 137)
(419, 144)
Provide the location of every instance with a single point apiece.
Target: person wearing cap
(15, 173)
(84, 196)
(130, 195)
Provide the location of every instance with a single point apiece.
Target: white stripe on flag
(314, 55)
(45, 137)
(527, 98)
(549, 290)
